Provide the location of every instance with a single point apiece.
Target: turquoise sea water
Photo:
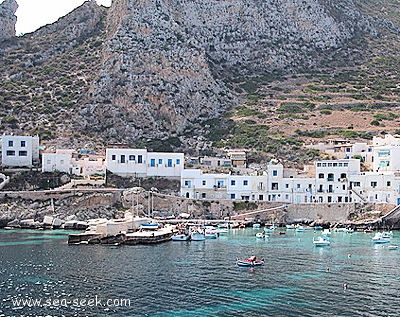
(199, 278)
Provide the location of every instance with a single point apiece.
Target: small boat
(256, 226)
(318, 228)
(180, 237)
(321, 242)
(381, 237)
(250, 262)
(149, 226)
(211, 235)
(326, 233)
(393, 247)
(197, 236)
(223, 225)
(290, 226)
(261, 235)
(347, 230)
(282, 232)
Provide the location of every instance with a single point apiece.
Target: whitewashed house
(19, 151)
(140, 163)
(71, 162)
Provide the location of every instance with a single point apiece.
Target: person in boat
(252, 259)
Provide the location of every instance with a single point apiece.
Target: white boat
(180, 237)
(290, 226)
(393, 247)
(261, 235)
(381, 237)
(223, 225)
(197, 236)
(321, 241)
(256, 226)
(348, 230)
(300, 229)
(326, 232)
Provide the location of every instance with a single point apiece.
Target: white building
(69, 161)
(386, 158)
(19, 151)
(140, 163)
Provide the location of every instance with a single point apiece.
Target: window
(152, 162)
(23, 143)
(203, 195)
(383, 163)
(321, 175)
(274, 173)
(334, 164)
(113, 157)
(388, 183)
(339, 199)
(220, 184)
(287, 185)
(62, 162)
(178, 161)
(131, 157)
(233, 196)
(188, 183)
(10, 153)
(274, 186)
(384, 153)
(159, 161)
(233, 182)
(348, 149)
(343, 175)
(169, 162)
(357, 184)
(140, 159)
(331, 177)
(245, 182)
(318, 164)
(329, 164)
(340, 164)
(345, 164)
(10, 143)
(344, 187)
(298, 186)
(122, 159)
(260, 197)
(374, 184)
(204, 183)
(286, 196)
(23, 153)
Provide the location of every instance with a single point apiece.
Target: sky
(32, 14)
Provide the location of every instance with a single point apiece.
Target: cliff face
(157, 68)
(8, 19)
(164, 60)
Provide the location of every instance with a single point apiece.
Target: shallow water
(199, 278)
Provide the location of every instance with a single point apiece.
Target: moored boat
(197, 236)
(321, 241)
(261, 235)
(393, 247)
(180, 237)
(381, 237)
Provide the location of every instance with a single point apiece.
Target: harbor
(202, 278)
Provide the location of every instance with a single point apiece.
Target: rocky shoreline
(54, 208)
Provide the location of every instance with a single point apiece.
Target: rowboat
(250, 262)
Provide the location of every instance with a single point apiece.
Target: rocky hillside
(164, 73)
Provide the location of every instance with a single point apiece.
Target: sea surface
(199, 278)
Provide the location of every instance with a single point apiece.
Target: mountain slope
(163, 71)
